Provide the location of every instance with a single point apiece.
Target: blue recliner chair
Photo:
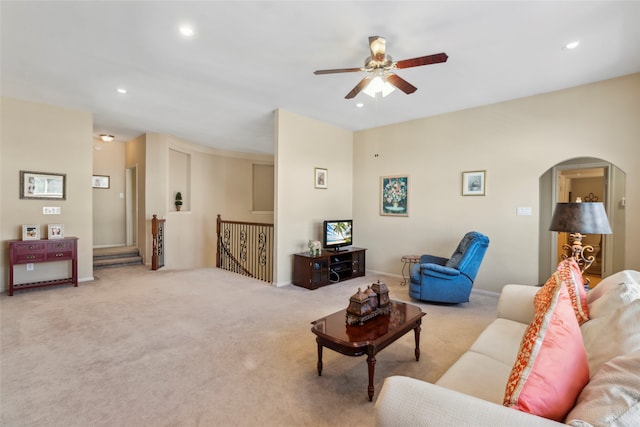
(450, 280)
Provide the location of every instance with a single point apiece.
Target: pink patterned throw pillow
(551, 368)
(571, 275)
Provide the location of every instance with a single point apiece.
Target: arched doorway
(565, 182)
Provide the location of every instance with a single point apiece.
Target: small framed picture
(100, 181)
(30, 232)
(473, 183)
(55, 231)
(320, 178)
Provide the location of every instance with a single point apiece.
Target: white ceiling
(247, 59)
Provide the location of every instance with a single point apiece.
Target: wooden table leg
(319, 359)
(371, 363)
(416, 333)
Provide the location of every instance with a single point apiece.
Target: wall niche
(179, 179)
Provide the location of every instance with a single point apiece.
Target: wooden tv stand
(329, 267)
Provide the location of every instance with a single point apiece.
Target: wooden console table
(39, 251)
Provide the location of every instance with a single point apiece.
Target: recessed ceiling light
(571, 45)
(121, 90)
(359, 105)
(186, 30)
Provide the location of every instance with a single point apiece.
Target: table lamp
(579, 219)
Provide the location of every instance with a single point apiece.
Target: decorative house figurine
(383, 293)
(374, 301)
(373, 298)
(359, 306)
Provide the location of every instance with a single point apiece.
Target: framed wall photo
(321, 177)
(55, 231)
(473, 183)
(42, 185)
(394, 195)
(100, 181)
(30, 232)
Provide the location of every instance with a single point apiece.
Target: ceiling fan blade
(422, 60)
(337, 70)
(356, 90)
(377, 45)
(401, 83)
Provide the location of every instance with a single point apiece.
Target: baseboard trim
(485, 292)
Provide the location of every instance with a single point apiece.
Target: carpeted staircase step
(116, 262)
(116, 257)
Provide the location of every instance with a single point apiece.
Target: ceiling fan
(380, 67)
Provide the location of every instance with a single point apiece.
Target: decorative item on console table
(315, 247)
(366, 305)
(178, 201)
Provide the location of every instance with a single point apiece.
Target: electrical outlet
(30, 267)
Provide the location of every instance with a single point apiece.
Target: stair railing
(245, 248)
(157, 232)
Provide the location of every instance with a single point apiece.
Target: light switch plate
(51, 210)
(524, 211)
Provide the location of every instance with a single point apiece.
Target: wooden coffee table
(376, 334)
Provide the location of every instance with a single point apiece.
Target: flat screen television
(337, 233)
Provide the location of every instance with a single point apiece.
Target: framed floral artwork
(473, 183)
(394, 195)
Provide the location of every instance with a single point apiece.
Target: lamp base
(581, 254)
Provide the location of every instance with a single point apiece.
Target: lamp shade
(583, 218)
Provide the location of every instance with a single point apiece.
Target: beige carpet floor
(202, 347)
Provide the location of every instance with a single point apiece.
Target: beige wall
(44, 138)
(515, 142)
(215, 182)
(136, 160)
(109, 203)
(302, 145)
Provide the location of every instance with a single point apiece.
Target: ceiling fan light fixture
(186, 30)
(378, 47)
(106, 138)
(378, 85)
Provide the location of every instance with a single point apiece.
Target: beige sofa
(471, 392)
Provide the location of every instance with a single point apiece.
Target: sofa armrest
(405, 401)
(516, 303)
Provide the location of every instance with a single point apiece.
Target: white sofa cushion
(614, 328)
(612, 397)
(477, 375)
(407, 402)
(612, 335)
(500, 340)
(610, 282)
(615, 295)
